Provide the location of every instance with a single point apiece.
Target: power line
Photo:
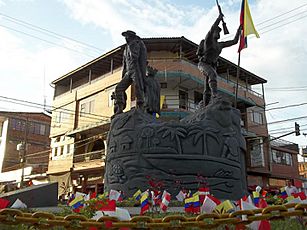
(299, 7)
(30, 35)
(284, 24)
(287, 106)
(52, 108)
(45, 31)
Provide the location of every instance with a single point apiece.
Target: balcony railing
(85, 157)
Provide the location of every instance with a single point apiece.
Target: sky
(43, 40)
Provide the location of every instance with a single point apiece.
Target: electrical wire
(30, 35)
(48, 32)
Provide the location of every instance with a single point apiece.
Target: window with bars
(282, 158)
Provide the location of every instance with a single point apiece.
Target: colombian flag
(192, 204)
(144, 202)
(137, 195)
(256, 198)
(247, 25)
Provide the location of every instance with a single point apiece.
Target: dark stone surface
(207, 144)
(43, 195)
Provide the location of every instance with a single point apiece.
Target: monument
(207, 143)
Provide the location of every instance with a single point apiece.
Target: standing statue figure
(208, 52)
(134, 70)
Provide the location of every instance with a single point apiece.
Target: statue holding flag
(208, 52)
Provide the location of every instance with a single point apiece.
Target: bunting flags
(166, 199)
(144, 202)
(247, 25)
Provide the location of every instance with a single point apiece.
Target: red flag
(108, 205)
(93, 195)
(264, 224)
(4, 203)
(217, 201)
(300, 195)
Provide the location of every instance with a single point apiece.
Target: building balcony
(86, 157)
(188, 75)
(89, 161)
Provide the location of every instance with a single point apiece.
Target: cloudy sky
(42, 40)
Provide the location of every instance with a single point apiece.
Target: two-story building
(24, 145)
(82, 99)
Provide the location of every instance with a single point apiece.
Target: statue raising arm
(234, 41)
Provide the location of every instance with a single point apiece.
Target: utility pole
(22, 148)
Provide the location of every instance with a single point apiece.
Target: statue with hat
(208, 52)
(134, 70)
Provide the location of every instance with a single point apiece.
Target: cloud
(26, 74)
(278, 56)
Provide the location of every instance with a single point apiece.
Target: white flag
(114, 195)
(19, 204)
(180, 197)
(247, 206)
(208, 205)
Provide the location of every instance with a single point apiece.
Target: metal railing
(84, 157)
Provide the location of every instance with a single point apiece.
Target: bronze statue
(134, 70)
(208, 52)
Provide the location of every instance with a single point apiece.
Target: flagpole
(237, 80)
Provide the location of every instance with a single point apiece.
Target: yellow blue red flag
(247, 24)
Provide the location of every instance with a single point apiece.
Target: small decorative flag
(4, 203)
(106, 205)
(300, 195)
(137, 195)
(144, 202)
(180, 196)
(157, 197)
(18, 204)
(202, 192)
(192, 204)
(283, 193)
(114, 195)
(256, 198)
(77, 203)
(166, 198)
(264, 224)
(225, 207)
(208, 205)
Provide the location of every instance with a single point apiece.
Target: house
(24, 145)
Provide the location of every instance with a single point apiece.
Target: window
(163, 85)
(256, 152)
(282, 158)
(87, 108)
(37, 128)
(183, 99)
(257, 117)
(59, 117)
(18, 124)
